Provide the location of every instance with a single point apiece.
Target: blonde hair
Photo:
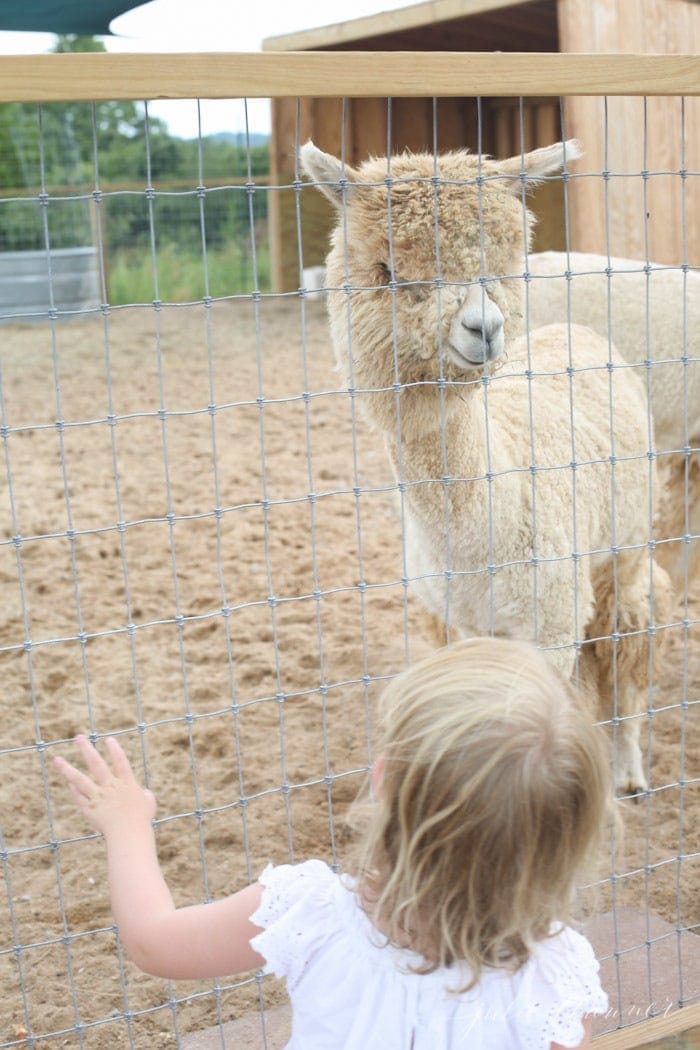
(495, 792)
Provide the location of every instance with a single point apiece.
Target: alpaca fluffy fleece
(526, 513)
(651, 314)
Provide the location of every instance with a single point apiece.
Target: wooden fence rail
(354, 74)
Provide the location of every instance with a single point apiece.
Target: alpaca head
(426, 259)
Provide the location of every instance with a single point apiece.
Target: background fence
(74, 176)
(200, 547)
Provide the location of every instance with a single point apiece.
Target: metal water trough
(66, 280)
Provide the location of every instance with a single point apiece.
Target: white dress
(349, 991)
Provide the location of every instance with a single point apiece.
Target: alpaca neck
(437, 433)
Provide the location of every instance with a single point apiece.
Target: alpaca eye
(418, 292)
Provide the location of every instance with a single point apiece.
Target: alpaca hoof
(630, 792)
(628, 766)
(630, 781)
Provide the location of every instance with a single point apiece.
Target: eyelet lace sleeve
(562, 985)
(291, 913)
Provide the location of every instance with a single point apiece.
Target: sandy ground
(187, 576)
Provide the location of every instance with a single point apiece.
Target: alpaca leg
(629, 600)
(630, 776)
(565, 605)
(437, 630)
(679, 477)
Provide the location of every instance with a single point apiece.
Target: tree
(69, 43)
(70, 148)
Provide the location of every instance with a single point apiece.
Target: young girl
(491, 792)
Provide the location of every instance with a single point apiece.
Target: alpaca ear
(537, 164)
(329, 174)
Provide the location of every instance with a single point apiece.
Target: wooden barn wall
(626, 134)
(358, 128)
(455, 25)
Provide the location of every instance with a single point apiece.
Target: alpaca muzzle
(476, 333)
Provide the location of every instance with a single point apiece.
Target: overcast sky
(210, 25)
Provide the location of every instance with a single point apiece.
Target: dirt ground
(179, 564)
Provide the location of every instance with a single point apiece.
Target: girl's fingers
(77, 794)
(91, 786)
(120, 763)
(97, 767)
(80, 784)
(93, 759)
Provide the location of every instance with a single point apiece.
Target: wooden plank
(413, 17)
(575, 18)
(648, 1031)
(620, 27)
(516, 128)
(529, 22)
(530, 27)
(583, 118)
(354, 74)
(476, 136)
(690, 124)
(411, 124)
(501, 119)
(607, 29)
(331, 127)
(547, 123)
(630, 214)
(283, 132)
(451, 133)
(664, 132)
(300, 218)
(369, 116)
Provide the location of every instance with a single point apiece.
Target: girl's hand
(111, 798)
(204, 940)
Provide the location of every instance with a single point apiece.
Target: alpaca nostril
(485, 330)
(484, 321)
(489, 333)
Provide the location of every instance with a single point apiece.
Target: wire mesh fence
(207, 551)
(165, 217)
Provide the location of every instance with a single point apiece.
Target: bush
(181, 274)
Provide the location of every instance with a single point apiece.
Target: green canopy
(82, 17)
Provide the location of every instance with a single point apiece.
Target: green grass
(182, 276)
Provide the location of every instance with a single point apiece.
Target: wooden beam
(629, 215)
(650, 1030)
(413, 17)
(352, 74)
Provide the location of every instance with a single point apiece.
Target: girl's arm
(586, 1039)
(204, 940)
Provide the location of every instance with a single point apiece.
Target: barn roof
(455, 25)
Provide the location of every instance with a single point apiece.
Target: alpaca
(516, 523)
(650, 313)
